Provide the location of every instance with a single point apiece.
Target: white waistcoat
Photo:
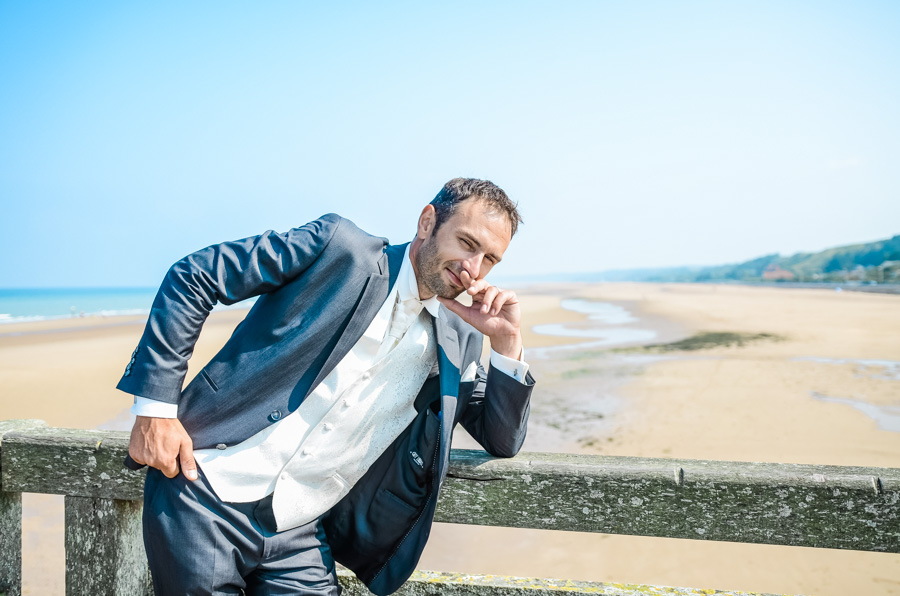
(311, 459)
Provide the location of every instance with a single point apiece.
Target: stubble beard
(430, 267)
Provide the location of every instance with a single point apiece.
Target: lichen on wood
(787, 504)
(74, 462)
(10, 543)
(11, 521)
(104, 548)
(434, 583)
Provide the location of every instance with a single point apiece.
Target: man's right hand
(160, 443)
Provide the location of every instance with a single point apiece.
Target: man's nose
(473, 265)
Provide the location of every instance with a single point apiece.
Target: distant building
(890, 271)
(858, 273)
(775, 273)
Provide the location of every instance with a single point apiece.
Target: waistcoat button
(275, 416)
(221, 446)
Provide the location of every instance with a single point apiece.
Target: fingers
(469, 314)
(186, 455)
(136, 454)
(487, 299)
(504, 298)
(456, 307)
(492, 299)
(159, 443)
(169, 468)
(474, 286)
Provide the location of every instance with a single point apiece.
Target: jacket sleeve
(497, 414)
(223, 273)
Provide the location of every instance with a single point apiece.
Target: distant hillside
(875, 261)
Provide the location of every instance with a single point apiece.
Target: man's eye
(466, 243)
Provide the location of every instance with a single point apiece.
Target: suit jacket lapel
(448, 354)
(375, 291)
(449, 371)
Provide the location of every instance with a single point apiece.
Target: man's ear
(427, 221)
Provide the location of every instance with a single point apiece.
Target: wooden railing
(787, 504)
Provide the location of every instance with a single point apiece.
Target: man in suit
(322, 428)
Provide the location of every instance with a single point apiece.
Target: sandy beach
(821, 387)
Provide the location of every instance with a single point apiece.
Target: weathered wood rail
(797, 505)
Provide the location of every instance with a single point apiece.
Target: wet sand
(818, 396)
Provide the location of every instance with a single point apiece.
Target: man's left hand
(494, 312)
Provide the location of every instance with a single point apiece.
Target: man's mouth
(454, 279)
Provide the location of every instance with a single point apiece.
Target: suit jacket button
(275, 416)
(221, 446)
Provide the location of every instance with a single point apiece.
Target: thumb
(457, 307)
(186, 455)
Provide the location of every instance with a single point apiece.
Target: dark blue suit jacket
(320, 286)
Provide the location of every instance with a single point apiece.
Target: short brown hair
(460, 189)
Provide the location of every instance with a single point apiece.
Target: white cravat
(405, 312)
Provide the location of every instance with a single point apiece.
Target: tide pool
(605, 327)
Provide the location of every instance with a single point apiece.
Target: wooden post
(10, 544)
(11, 522)
(104, 548)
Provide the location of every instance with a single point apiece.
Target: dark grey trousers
(196, 544)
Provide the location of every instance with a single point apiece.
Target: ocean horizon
(20, 305)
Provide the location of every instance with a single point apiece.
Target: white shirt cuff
(510, 366)
(153, 408)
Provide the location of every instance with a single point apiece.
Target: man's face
(472, 240)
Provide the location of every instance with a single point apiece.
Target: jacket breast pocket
(209, 380)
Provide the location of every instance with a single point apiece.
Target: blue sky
(633, 134)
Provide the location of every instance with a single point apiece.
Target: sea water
(18, 305)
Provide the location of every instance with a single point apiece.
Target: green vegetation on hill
(873, 262)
